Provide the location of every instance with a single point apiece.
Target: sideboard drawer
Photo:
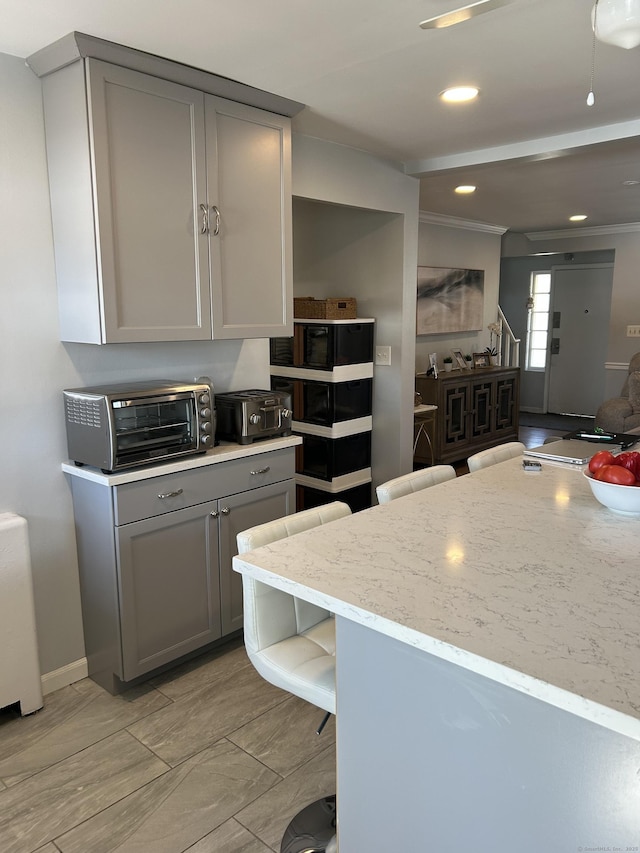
(158, 495)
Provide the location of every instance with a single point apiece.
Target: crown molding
(428, 218)
(596, 231)
(75, 46)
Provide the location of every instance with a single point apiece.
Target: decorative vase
(448, 366)
(493, 360)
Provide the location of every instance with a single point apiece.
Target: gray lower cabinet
(171, 209)
(156, 560)
(168, 591)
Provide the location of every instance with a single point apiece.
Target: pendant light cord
(591, 98)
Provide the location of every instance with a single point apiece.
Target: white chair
(290, 642)
(414, 481)
(493, 455)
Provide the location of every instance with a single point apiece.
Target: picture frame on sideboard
(481, 359)
(457, 354)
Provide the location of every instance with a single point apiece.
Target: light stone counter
(522, 578)
(224, 452)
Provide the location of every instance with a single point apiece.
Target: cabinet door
(168, 587)
(506, 404)
(148, 149)
(456, 405)
(249, 193)
(482, 409)
(240, 512)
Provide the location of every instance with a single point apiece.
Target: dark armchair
(622, 414)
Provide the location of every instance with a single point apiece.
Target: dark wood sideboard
(477, 408)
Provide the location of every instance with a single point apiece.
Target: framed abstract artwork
(449, 300)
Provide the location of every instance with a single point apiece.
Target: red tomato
(602, 457)
(615, 474)
(630, 460)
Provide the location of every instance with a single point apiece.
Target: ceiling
(370, 78)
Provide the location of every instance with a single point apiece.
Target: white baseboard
(64, 676)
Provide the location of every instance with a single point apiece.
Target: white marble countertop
(521, 577)
(224, 452)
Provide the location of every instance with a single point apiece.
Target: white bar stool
(493, 455)
(414, 481)
(292, 644)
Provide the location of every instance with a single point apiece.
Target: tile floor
(207, 758)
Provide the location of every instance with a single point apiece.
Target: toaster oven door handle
(264, 470)
(170, 494)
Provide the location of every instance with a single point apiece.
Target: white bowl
(622, 499)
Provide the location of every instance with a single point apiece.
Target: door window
(538, 321)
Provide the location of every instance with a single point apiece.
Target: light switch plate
(633, 331)
(383, 355)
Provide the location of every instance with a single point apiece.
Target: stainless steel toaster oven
(122, 426)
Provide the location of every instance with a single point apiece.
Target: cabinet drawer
(158, 495)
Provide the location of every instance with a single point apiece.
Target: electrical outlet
(383, 355)
(633, 331)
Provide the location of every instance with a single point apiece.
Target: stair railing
(508, 345)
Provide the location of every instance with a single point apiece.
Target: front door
(581, 304)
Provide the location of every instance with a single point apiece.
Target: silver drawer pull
(170, 494)
(260, 471)
(225, 510)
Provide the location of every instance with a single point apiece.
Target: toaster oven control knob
(254, 419)
(206, 427)
(205, 413)
(204, 399)
(205, 439)
(286, 414)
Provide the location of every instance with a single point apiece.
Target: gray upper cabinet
(249, 192)
(171, 209)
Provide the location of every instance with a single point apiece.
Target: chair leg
(325, 719)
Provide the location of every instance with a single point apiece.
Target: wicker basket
(308, 308)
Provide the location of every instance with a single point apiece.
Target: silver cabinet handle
(214, 513)
(216, 228)
(170, 494)
(260, 471)
(204, 229)
(225, 510)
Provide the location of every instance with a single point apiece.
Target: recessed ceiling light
(465, 189)
(459, 94)
(578, 217)
(464, 13)
(630, 183)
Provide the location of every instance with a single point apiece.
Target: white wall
(35, 367)
(355, 234)
(468, 246)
